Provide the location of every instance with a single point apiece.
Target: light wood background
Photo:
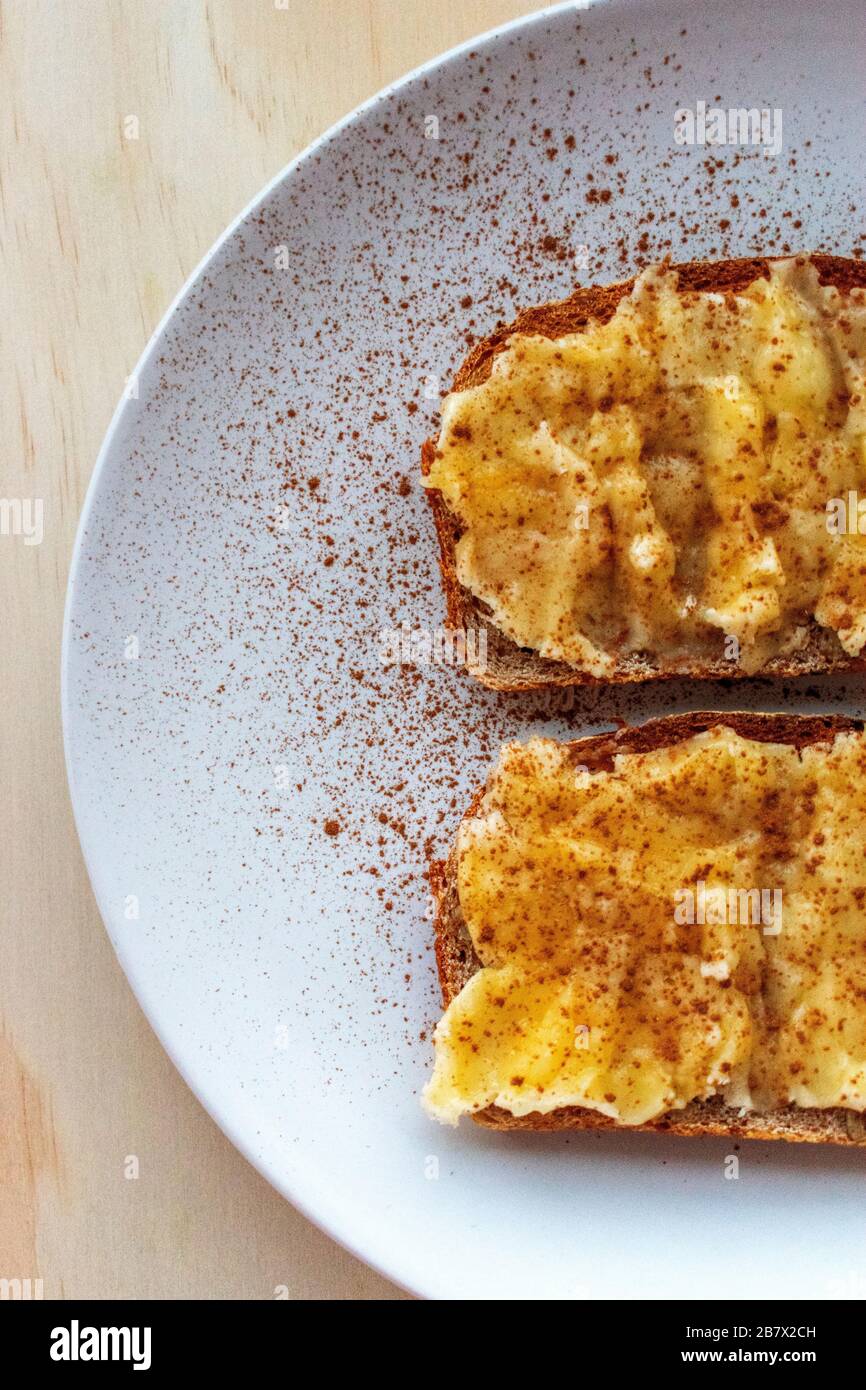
(97, 233)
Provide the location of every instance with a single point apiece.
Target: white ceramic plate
(255, 521)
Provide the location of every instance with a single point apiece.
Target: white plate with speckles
(256, 794)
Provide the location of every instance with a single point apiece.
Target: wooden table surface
(98, 231)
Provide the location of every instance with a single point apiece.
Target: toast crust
(510, 667)
(457, 961)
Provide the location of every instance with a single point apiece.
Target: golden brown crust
(510, 667)
(457, 961)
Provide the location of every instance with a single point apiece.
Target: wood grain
(131, 132)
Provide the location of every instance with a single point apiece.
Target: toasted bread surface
(511, 667)
(457, 961)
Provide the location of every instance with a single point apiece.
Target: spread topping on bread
(689, 923)
(660, 482)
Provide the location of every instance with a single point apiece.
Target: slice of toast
(457, 961)
(511, 667)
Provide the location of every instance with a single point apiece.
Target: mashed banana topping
(624, 966)
(659, 483)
